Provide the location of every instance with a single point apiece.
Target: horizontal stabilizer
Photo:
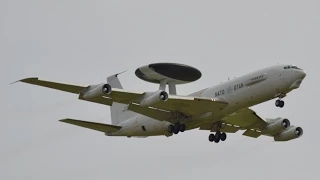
(106, 128)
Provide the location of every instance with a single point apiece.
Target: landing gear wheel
(176, 128)
(211, 137)
(279, 103)
(223, 136)
(217, 137)
(182, 127)
(170, 128)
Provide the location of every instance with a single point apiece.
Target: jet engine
(159, 96)
(292, 133)
(276, 126)
(99, 90)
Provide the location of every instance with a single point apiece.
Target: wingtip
(26, 80)
(63, 120)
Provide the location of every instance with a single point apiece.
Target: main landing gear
(279, 103)
(176, 128)
(217, 137)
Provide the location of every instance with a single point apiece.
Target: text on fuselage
(219, 93)
(229, 89)
(238, 86)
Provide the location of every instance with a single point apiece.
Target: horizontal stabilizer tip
(106, 128)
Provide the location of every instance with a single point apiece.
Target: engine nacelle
(276, 126)
(100, 90)
(292, 133)
(159, 96)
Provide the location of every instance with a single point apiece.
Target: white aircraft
(223, 108)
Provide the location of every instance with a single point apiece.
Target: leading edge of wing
(53, 85)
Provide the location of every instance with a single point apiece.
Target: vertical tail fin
(119, 112)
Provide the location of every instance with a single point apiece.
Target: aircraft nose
(297, 79)
(302, 74)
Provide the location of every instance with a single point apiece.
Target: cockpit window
(286, 67)
(295, 67)
(291, 67)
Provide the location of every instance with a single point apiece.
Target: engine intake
(276, 126)
(98, 91)
(159, 96)
(292, 133)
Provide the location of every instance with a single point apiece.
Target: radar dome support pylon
(172, 86)
(163, 84)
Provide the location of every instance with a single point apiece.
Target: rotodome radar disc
(172, 72)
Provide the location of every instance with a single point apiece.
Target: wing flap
(99, 100)
(227, 128)
(251, 133)
(106, 128)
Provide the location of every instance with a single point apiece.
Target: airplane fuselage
(242, 92)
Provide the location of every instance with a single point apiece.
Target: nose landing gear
(279, 103)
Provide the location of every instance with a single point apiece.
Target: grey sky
(83, 42)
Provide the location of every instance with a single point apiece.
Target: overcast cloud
(83, 42)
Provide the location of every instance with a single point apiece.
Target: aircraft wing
(188, 106)
(54, 85)
(75, 89)
(245, 119)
